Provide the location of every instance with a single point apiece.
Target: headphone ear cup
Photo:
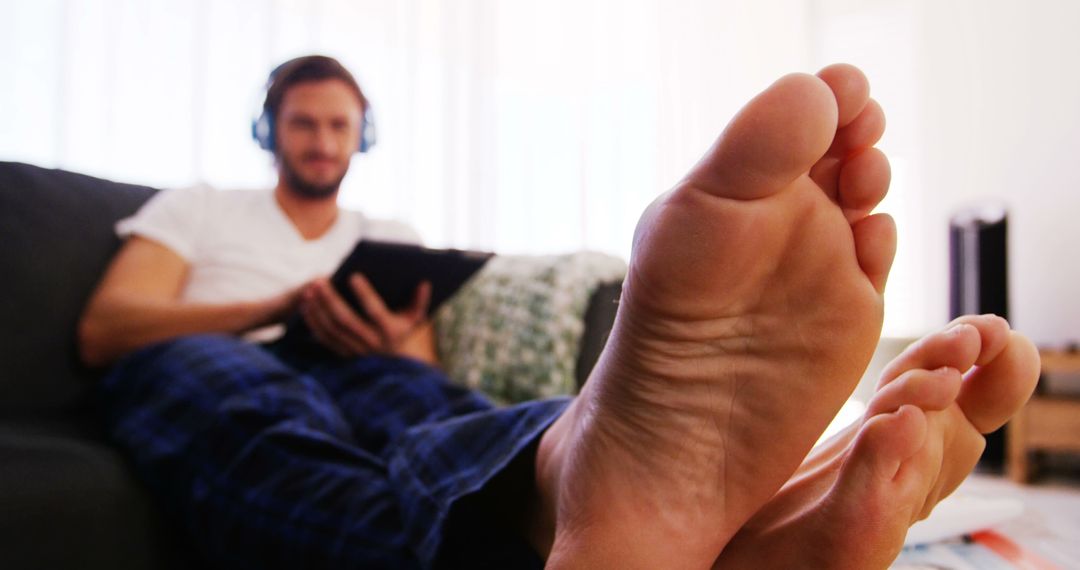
(262, 130)
(367, 132)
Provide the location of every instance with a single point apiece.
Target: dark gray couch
(68, 498)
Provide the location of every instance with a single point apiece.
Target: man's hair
(306, 69)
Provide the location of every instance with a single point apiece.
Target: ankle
(539, 527)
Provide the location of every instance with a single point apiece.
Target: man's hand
(337, 327)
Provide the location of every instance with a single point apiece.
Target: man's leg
(265, 468)
(464, 469)
(253, 458)
(382, 396)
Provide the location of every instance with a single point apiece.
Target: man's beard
(303, 187)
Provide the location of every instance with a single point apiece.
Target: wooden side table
(1047, 423)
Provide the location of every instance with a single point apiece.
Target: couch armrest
(56, 237)
(599, 317)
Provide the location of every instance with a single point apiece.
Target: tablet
(395, 270)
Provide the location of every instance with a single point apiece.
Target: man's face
(317, 130)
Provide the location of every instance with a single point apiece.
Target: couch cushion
(56, 237)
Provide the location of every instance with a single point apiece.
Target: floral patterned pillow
(514, 330)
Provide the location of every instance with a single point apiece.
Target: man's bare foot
(751, 308)
(851, 502)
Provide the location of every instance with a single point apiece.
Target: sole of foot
(752, 305)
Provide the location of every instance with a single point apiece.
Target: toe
(861, 133)
(881, 473)
(883, 443)
(985, 399)
(864, 180)
(994, 392)
(875, 247)
(850, 87)
(994, 332)
(927, 389)
(953, 448)
(773, 140)
(958, 346)
(874, 488)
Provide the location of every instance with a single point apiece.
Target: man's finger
(371, 301)
(320, 326)
(421, 301)
(348, 324)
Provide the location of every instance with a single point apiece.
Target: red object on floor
(1014, 553)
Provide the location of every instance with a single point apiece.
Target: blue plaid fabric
(272, 461)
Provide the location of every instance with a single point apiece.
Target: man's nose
(325, 141)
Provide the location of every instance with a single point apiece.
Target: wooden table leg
(1017, 465)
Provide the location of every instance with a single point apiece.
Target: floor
(1050, 523)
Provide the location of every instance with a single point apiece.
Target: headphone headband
(263, 127)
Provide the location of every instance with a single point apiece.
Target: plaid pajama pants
(269, 460)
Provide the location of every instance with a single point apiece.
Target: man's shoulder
(207, 195)
(207, 189)
(222, 203)
(228, 195)
(181, 217)
(199, 205)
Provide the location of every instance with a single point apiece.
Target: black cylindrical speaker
(979, 282)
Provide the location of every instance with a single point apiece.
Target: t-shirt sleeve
(173, 218)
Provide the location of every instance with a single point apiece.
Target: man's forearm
(111, 328)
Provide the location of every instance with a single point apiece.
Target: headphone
(263, 129)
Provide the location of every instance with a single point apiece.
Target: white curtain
(512, 125)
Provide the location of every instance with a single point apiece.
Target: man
(752, 306)
(270, 246)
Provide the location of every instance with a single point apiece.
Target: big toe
(882, 446)
(773, 140)
(994, 392)
(879, 479)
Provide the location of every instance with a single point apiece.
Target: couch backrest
(56, 237)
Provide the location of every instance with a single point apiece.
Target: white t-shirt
(241, 246)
